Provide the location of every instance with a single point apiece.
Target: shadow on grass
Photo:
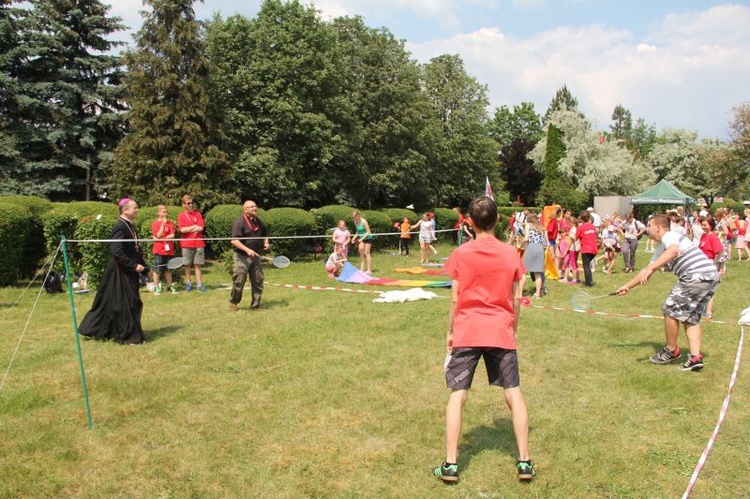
(161, 332)
(481, 438)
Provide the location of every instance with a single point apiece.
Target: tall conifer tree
(174, 142)
(63, 108)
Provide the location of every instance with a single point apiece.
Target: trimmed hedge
(64, 217)
(446, 218)
(283, 222)
(219, 223)
(326, 217)
(33, 244)
(15, 221)
(379, 223)
(93, 257)
(397, 215)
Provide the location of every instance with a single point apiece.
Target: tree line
(296, 111)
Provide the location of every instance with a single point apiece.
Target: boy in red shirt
(162, 228)
(487, 281)
(190, 222)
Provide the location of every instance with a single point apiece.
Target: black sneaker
(693, 363)
(446, 472)
(525, 470)
(666, 355)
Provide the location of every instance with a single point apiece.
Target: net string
(50, 261)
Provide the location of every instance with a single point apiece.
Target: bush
(64, 217)
(445, 219)
(34, 248)
(219, 223)
(397, 214)
(379, 223)
(284, 222)
(92, 258)
(326, 217)
(14, 223)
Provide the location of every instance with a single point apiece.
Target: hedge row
(30, 230)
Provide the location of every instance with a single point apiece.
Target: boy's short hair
(483, 213)
(661, 220)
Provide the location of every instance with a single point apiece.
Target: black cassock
(116, 312)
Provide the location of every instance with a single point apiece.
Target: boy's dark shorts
(160, 264)
(501, 364)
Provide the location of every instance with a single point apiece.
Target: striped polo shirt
(690, 263)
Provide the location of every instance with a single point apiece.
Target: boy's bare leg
(520, 416)
(671, 331)
(453, 413)
(694, 334)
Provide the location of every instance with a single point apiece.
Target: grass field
(326, 394)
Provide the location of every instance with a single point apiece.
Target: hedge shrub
(92, 258)
(34, 248)
(326, 217)
(64, 217)
(379, 223)
(283, 222)
(14, 223)
(219, 223)
(446, 218)
(397, 214)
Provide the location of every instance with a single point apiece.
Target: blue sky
(676, 64)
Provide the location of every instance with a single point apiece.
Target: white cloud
(688, 71)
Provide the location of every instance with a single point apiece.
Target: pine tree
(173, 146)
(563, 100)
(64, 114)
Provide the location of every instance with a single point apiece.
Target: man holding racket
(689, 297)
(249, 238)
(483, 320)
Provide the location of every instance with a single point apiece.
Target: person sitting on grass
(487, 277)
(687, 301)
(335, 261)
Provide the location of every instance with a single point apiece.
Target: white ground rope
(50, 262)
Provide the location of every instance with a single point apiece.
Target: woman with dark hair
(712, 247)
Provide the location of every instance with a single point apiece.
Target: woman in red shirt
(712, 247)
(586, 233)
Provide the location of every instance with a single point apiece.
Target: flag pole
(75, 330)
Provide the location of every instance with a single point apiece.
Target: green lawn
(326, 394)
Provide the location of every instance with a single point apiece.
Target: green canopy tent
(663, 193)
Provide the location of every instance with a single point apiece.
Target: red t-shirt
(163, 247)
(553, 229)
(191, 239)
(485, 270)
(710, 245)
(587, 234)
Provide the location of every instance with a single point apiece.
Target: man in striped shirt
(689, 297)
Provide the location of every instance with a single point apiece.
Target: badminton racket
(173, 263)
(280, 262)
(581, 300)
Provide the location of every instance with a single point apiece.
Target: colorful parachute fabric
(352, 275)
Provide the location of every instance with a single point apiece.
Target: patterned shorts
(688, 300)
(501, 364)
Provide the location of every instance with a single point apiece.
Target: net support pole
(75, 330)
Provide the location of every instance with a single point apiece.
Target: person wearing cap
(117, 308)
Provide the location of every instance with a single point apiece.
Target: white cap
(589, 209)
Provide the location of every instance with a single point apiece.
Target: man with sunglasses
(190, 224)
